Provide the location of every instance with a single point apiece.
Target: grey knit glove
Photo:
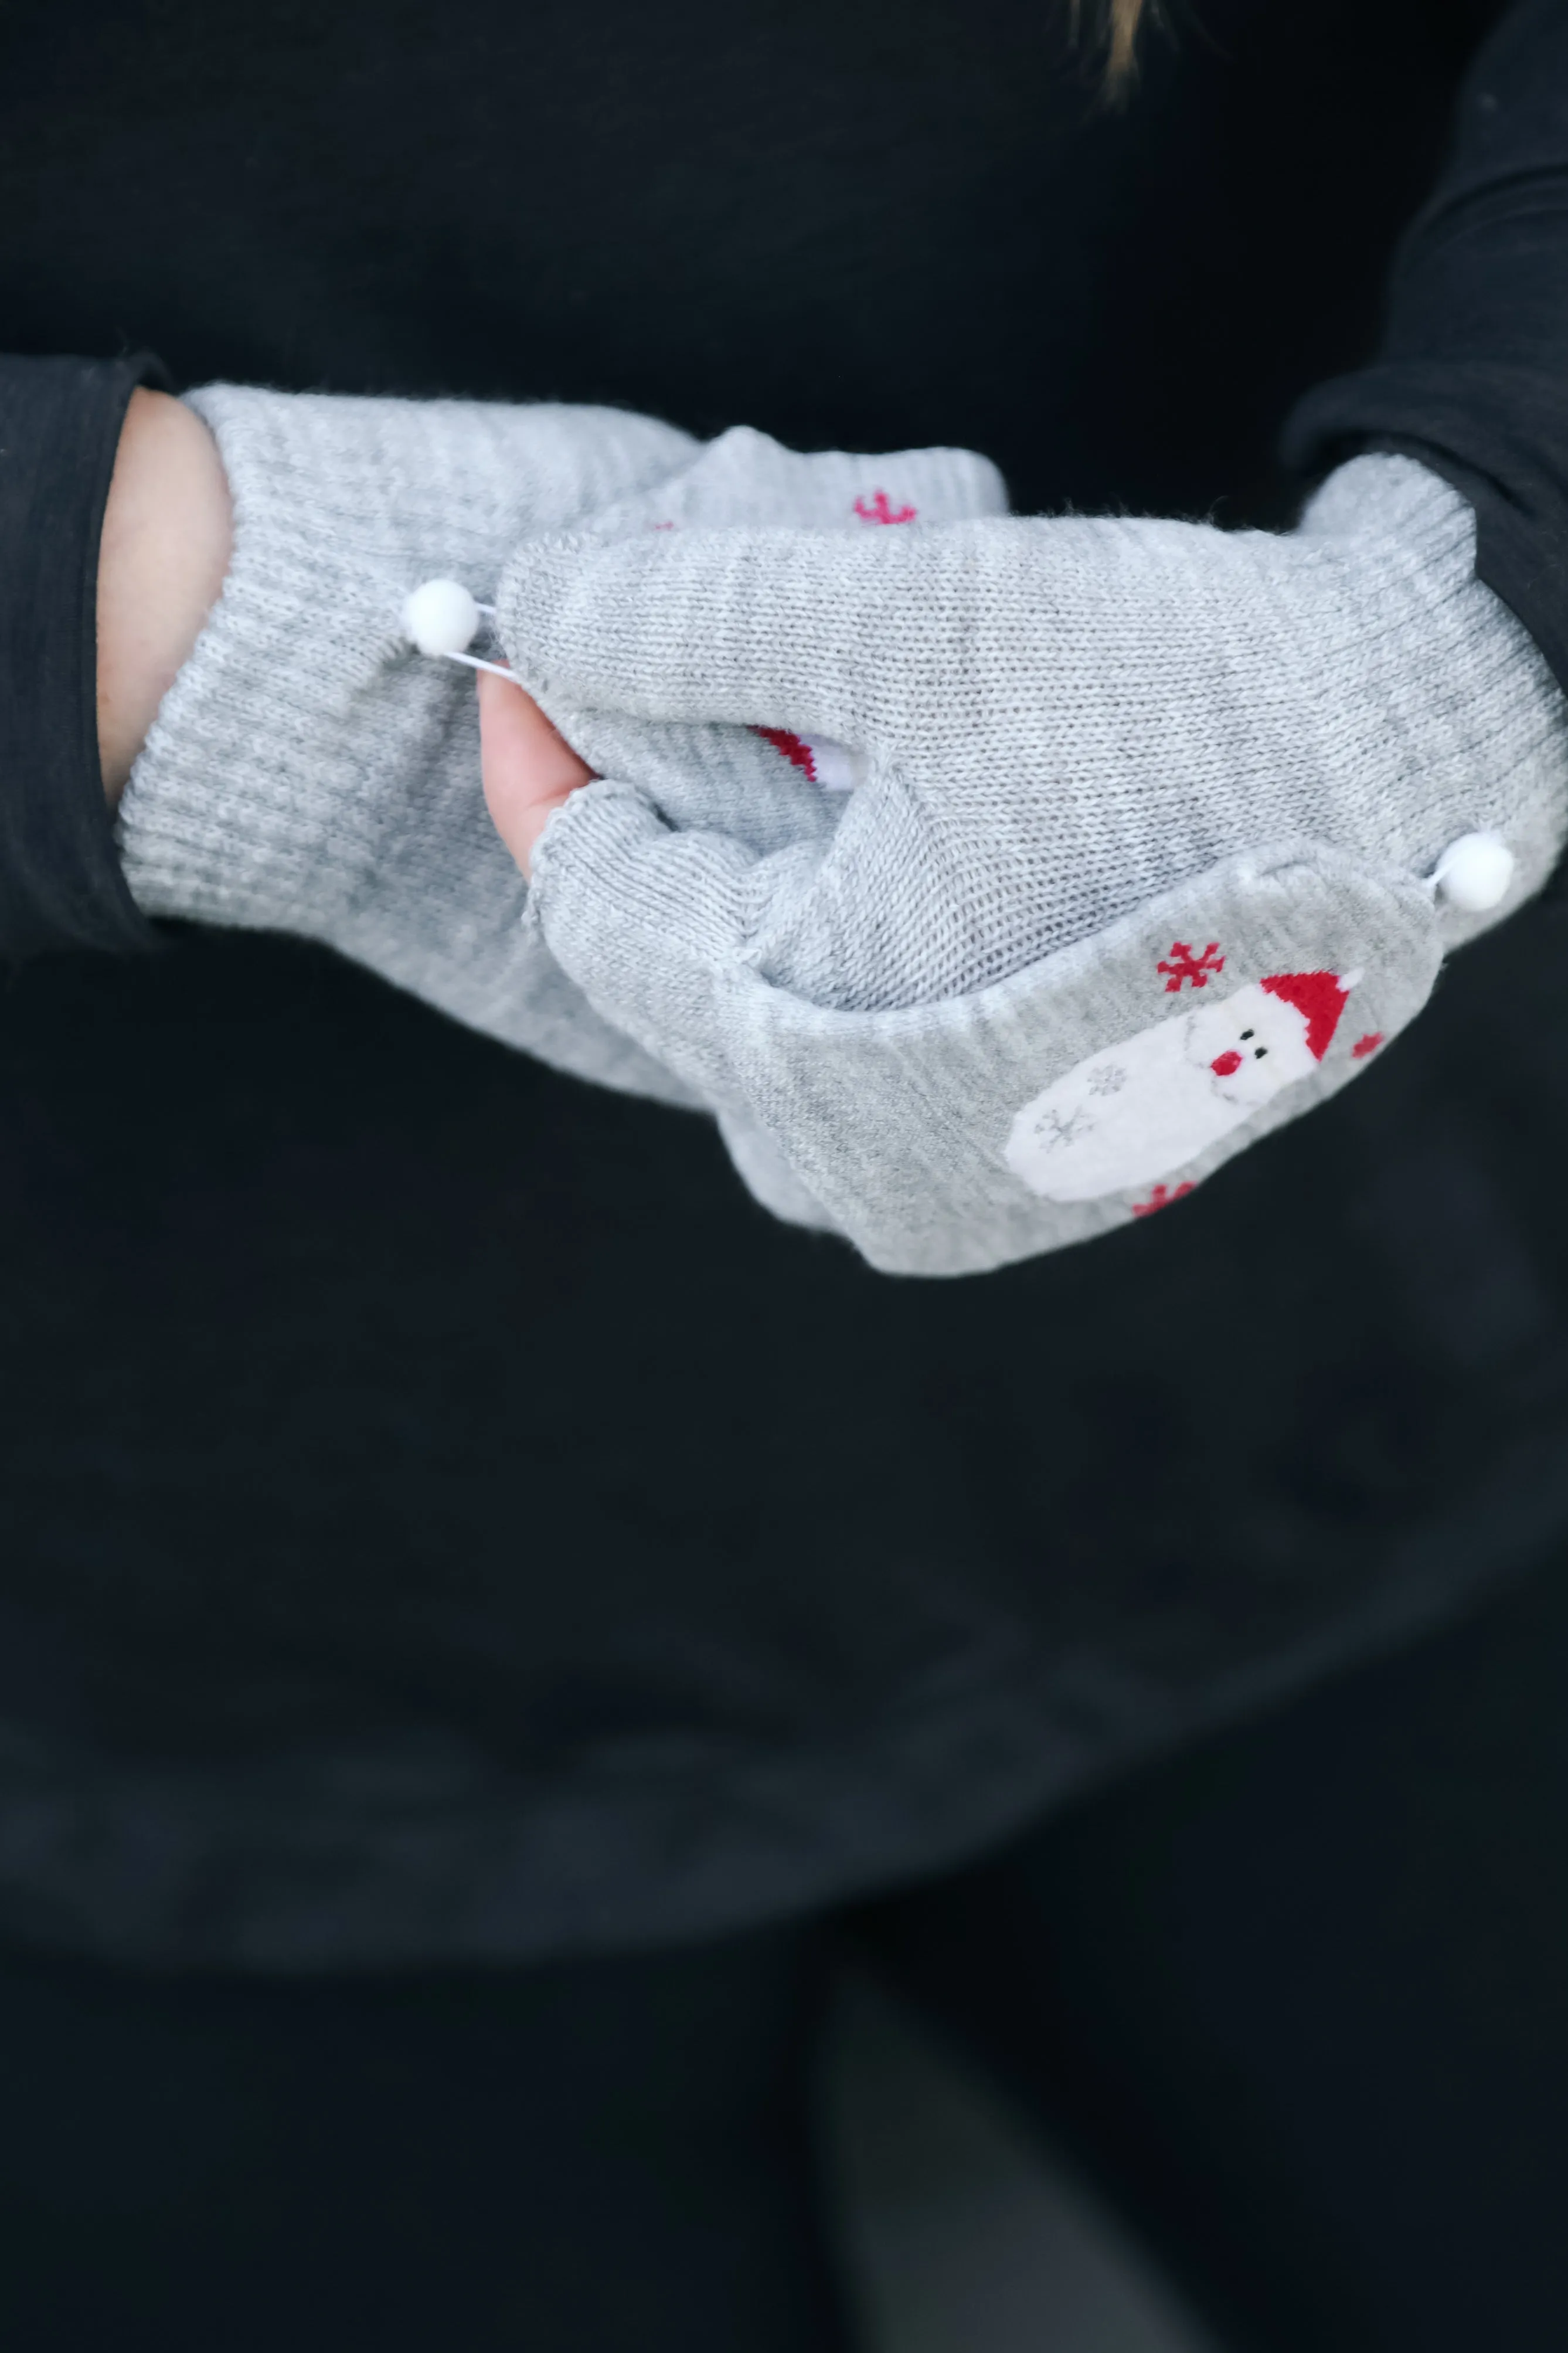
(1144, 865)
(309, 772)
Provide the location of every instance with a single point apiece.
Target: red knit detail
(879, 508)
(1183, 964)
(1160, 1198)
(1319, 996)
(1366, 1046)
(796, 753)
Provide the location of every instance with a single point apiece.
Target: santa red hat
(1318, 998)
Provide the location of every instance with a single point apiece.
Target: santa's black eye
(1245, 1036)
(1259, 1053)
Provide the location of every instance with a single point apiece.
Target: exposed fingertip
(527, 766)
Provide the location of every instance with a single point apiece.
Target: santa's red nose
(1223, 1064)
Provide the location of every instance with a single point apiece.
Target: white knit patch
(1150, 1106)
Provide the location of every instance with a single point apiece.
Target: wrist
(162, 560)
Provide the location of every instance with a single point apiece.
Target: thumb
(775, 629)
(527, 768)
(650, 924)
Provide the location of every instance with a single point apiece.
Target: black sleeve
(1472, 376)
(61, 883)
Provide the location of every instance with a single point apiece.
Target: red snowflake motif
(1160, 1198)
(795, 752)
(1183, 964)
(879, 508)
(1366, 1046)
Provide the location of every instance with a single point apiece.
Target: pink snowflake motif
(1183, 964)
(1160, 1198)
(879, 508)
(1366, 1046)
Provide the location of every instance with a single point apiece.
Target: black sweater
(441, 1516)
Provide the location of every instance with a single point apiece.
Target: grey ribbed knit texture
(310, 773)
(1068, 723)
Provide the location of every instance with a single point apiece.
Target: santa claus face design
(1140, 1112)
(1250, 1045)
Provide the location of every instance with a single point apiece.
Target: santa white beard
(1136, 1112)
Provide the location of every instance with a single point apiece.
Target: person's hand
(528, 768)
(1144, 860)
(161, 558)
(308, 771)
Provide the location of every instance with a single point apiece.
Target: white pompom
(1475, 873)
(440, 616)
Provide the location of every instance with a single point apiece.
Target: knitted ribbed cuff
(244, 808)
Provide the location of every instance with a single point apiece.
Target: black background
(394, 1432)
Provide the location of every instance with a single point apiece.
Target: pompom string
(472, 662)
